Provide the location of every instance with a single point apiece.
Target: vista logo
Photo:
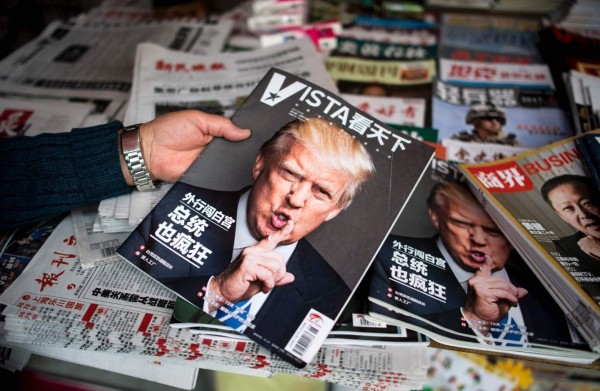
(275, 94)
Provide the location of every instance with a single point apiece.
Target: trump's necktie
(508, 333)
(237, 315)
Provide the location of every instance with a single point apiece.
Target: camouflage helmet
(485, 110)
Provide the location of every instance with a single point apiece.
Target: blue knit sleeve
(48, 174)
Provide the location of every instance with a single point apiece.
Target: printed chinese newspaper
(118, 310)
(69, 61)
(166, 80)
(35, 116)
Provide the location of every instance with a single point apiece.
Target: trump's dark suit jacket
(543, 318)
(316, 284)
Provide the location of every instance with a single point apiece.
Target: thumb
(233, 133)
(521, 292)
(271, 241)
(286, 279)
(214, 125)
(485, 270)
(218, 126)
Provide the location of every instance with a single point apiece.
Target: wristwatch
(132, 151)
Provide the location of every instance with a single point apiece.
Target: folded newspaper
(271, 235)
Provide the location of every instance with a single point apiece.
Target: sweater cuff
(97, 163)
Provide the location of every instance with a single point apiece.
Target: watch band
(132, 151)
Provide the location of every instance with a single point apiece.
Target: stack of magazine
(494, 96)
(482, 232)
(549, 207)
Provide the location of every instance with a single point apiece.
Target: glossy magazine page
(304, 237)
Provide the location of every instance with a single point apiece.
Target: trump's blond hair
(339, 150)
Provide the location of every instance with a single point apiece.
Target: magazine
(353, 327)
(524, 118)
(568, 49)
(549, 207)
(489, 38)
(436, 268)
(481, 74)
(235, 197)
(385, 58)
(392, 111)
(589, 145)
(217, 84)
(582, 91)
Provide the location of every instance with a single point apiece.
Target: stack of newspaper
(120, 311)
(87, 67)
(79, 301)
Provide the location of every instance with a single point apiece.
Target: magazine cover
(483, 74)
(445, 271)
(271, 235)
(550, 208)
(482, 124)
(489, 38)
(582, 91)
(392, 111)
(386, 58)
(589, 145)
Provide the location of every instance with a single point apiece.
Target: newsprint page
(120, 318)
(298, 202)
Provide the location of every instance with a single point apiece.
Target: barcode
(362, 322)
(108, 252)
(305, 340)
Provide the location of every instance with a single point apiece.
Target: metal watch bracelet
(132, 152)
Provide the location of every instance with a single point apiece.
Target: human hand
(590, 246)
(257, 269)
(489, 298)
(171, 142)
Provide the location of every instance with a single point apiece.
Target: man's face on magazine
(574, 204)
(470, 235)
(488, 127)
(299, 187)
